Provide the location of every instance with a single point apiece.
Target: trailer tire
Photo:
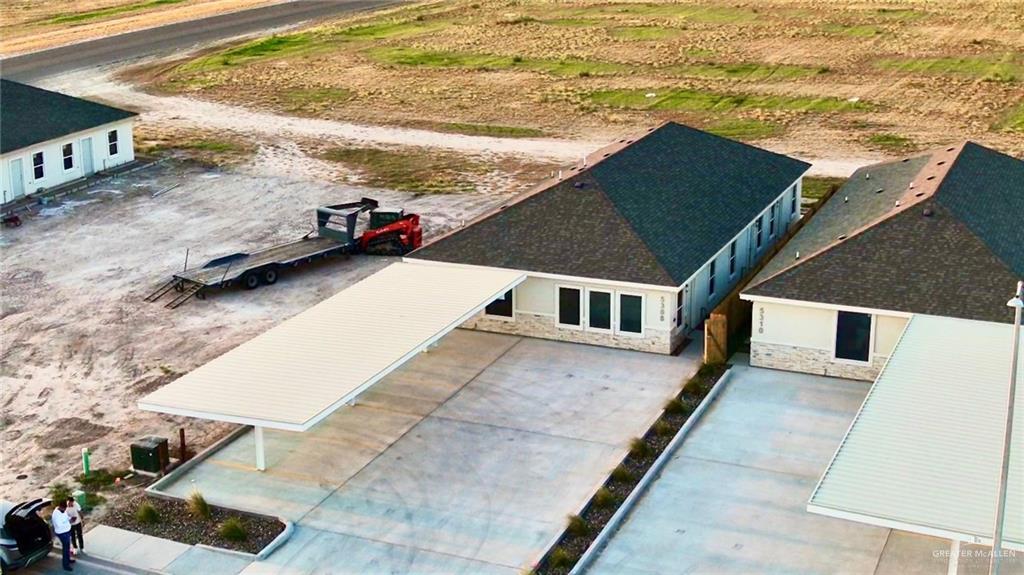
(251, 280)
(270, 276)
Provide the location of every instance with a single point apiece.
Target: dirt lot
(29, 25)
(80, 345)
(824, 79)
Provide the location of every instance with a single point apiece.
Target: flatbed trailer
(262, 267)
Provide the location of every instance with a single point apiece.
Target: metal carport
(305, 368)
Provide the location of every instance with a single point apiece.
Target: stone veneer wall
(808, 360)
(533, 325)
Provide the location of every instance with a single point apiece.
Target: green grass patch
(816, 187)
(704, 14)
(708, 101)
(573, 22)
(391, 29)
(891, 142)
(1007, 68)
(853, 30)
(898, 14)
(83, 17)
(644, 33)
(744, 129)
(423, 172)
(209, 146)
(474, 61)
(270, 47)
(746, 71)
(1014, 120)
(491, 130)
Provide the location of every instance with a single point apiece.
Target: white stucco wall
(802, 338)
(54, 172)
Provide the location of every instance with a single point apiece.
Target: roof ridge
(909, 199)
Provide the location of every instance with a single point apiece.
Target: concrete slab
(200, 560)
(910, 553)
(733, 498)
(151, 553)
(107, 542)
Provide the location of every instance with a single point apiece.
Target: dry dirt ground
(80, 345)
(29, 25)
(821, 79)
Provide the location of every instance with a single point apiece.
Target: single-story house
(635, 246)
(939, 233)
(48, 139)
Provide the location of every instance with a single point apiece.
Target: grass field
(859, 77)
(90, 15)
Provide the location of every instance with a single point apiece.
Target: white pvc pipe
(261, 455)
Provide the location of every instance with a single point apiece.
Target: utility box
(150, 455)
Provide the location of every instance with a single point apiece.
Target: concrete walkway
(466, 460)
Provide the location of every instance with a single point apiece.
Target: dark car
(24, 536)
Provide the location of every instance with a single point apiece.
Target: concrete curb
(655, 470)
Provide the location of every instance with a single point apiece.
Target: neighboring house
(635, 247)
(48, 139)
(939, 234)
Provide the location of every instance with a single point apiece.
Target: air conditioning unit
(150, 455)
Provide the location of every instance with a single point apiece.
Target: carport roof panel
(924, 452)
(304, 368)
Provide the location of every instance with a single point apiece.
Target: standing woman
(75, 514)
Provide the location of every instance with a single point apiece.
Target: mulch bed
(177, 524)
(563, 557)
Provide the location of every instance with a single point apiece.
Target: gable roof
(30, 115)
(651, 210)
(942, 237)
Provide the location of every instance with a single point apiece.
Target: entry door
(86, 148)
(17, 181)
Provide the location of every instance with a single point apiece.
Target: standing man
(62, 529)
(75, 513)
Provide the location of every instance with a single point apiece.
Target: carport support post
(261, 455)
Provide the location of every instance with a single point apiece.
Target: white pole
(997, 537)
(261, 456)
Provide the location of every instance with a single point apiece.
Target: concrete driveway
(733, 498)
(466, 460)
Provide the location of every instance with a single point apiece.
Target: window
(569, 308)
(732, 258)
(853, 336)
(112, 142)
(599, 310)
(792, 204)
(711, 278)
(679, 308)
(37, 166)
(631, 313)
(67, 151)
(758, 224)
(501, 307)
(771, 220)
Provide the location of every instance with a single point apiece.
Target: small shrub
(578, 526)
(147, 514)
(707, 369)
(233, 530)
(663, 428)
(675, 406)
(59, 492)
(517, 59)
(604, 498)
(584, 74)
(638, 448)
(198, 506)
(622, 474)
(560, 558)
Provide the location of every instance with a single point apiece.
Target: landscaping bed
(177, 521)
(583, 529)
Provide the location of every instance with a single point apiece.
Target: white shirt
(61, 522)
(74, 513)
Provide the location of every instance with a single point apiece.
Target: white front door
(86, 147)
(17, 181)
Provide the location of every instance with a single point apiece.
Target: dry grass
(819, 76)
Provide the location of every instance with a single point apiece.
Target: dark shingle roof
(951, 247)
(651, 211)
(30, 115)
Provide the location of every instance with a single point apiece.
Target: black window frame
(590, 310)
(578, 306)
(792, 204)
(67, 154)
(850, 324)
(771, 221)
(679, 308)
(502, 306)
(621, 317)
(732, 258)
(712, 268)
(112, 143)
(758, 228)
(38, 170)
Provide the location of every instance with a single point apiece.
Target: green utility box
(150, 455)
